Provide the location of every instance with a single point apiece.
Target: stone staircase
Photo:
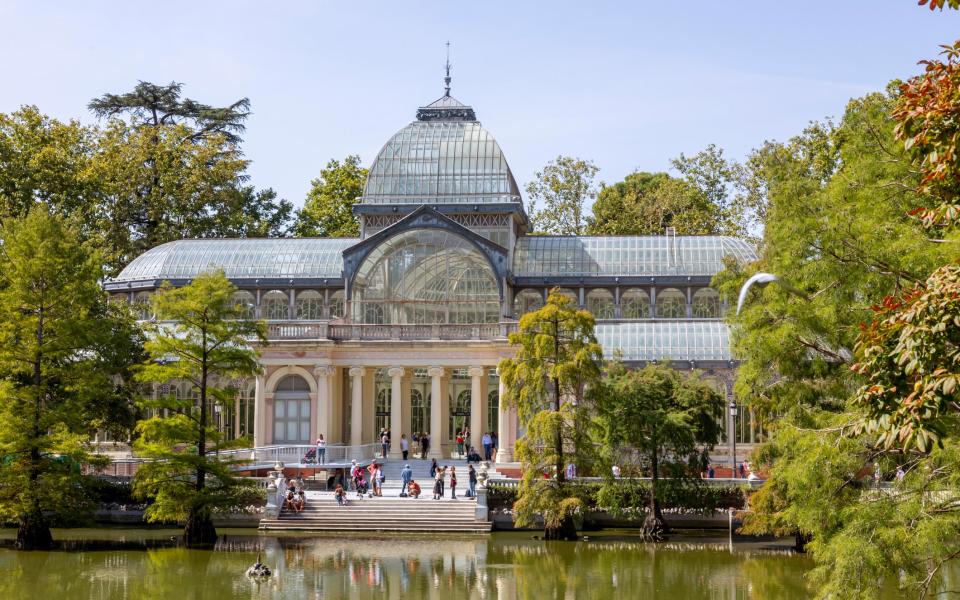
(389, 512)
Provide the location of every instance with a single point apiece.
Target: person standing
(424, 445)
(494, 444)
(459, 443)
(453, 483)
(442, 475)
(433, 468)
(384, 444)
(487, 442)
(404, 446)
(406, 476)
(438, 485)
(321, 450)
(471, 481)
(571, 471)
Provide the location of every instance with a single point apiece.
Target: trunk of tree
(558, 438)
(800, 541)
(566, 531)
(199, 530)
(654, 527)
(33, 532)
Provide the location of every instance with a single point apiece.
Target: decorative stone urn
(482, 476)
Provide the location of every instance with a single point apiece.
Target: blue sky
(629, 85)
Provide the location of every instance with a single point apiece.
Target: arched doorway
(291, 411)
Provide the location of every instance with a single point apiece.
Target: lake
(144, 563)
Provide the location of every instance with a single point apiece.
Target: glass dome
(440, 161)
(425, 276)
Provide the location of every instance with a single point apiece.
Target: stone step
(465, 528)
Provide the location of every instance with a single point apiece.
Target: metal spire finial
(446, 80)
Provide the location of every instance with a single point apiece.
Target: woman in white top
(321, 449)
(404, 446)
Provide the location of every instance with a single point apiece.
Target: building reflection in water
(498, 567)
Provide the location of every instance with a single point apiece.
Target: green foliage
(563, 186)
(557, 358)
(669, 420)
(328, 209)
(151, 105)
(200, 337)
(648, 203)
(62, 367)
(164, 184)
(128, 188)
(725, 185)
(837, 229)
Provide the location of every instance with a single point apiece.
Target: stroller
(310, 457)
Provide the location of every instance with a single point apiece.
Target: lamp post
(733, 436)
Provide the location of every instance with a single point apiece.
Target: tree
(61, 354)
(201, 337)
(838, 227)
(155, 106)
(328, 209)
(669, 420)
(722, 183)
(557, 358)
(648, 203)
(44, 161)
(176, 170)
(564, 185)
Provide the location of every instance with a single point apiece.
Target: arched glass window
(274, 306)
(309, 305)
(493, 411)
(671, 304)
(425, 276)
(526, 301)
(634, 304)
(600, 303)
(382, 409)
(419, 413)
(291, 411)
(141, 306)
(247, 302)
(336, 304)
(706, 304)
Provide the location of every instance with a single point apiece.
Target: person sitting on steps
(341, 495)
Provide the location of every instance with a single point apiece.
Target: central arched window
(425, 276)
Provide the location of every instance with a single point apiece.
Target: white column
(436, 412)
(508, 430)
(356, 406)
(324, 407)
(259, 412)
(476, 406)
(396, 410)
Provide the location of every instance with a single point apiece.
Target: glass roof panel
(440, 162)
(665, 340)
(539, 256)
(241, 259)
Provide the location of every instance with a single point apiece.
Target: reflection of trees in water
(502, 567)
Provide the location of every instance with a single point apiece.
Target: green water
(129, 563)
